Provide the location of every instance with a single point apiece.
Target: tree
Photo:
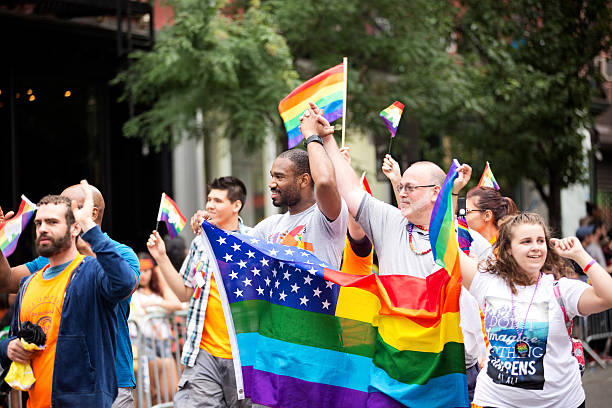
(232, 65)
(397, 50)
(530, 65)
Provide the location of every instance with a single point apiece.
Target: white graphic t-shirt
(541, 371)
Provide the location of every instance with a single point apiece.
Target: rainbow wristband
(586, 268)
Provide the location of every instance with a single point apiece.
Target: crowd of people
(516, 300)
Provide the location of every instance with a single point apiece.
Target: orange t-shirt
(357, 265)
(215, 338)
(42, 304)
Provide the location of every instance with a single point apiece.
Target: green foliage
(516, 92)
(397, 50)
(235, 70)
(530, 63)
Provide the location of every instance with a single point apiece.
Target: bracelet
(586, 268)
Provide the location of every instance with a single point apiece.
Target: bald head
(76, 193)
(431, 171)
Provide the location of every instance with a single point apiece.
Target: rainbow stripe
(488, 179)
(325, 89)
(463, 235)
(341, 340)
(441, 226)
(11, 230)
(392, 115)
(170, 214)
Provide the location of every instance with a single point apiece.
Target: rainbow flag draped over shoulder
(308, 335)
(11, 230)
(325, 89)
(488, 179)
(392, 115)
(170, 214)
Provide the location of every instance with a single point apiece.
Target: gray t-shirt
(310, 230)
(387, 228)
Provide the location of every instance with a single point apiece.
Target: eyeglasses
(410, 189)
(469, 210)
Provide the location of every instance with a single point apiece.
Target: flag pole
(390, 143)
(161, 202)
(345, 69)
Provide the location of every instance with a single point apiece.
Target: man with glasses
(401, 236)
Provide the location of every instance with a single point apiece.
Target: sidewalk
(597, 383)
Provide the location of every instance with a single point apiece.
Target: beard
(287, 197)
(55, 246)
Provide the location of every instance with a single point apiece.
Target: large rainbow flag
(11, 230)
(488, 179)
(311, 336)
(170, 214)
(325, 89)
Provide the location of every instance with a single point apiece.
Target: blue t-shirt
(124, 363)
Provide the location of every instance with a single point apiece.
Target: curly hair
(490, 199)
(505, 265)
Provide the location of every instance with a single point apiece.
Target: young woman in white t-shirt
(530, 361)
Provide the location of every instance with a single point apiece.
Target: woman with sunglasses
(484, 207)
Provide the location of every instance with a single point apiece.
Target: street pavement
(597, 383)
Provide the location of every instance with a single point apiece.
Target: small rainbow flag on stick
(488, 179)
(392, 115)
(12, 229)
(325, 89)
(171, 215)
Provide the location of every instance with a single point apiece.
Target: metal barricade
(157, 363)
(597, 326)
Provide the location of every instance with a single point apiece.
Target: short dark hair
(299, 158)
(58, 199)
(236, 190)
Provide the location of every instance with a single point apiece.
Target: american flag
(253, 269)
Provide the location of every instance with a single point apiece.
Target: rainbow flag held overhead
(488, 179)
(392, 115)
(12, 229)
(170, 214)
(463, 235)
(325, 89)
(303, 334)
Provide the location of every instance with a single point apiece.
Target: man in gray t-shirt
(400, 236)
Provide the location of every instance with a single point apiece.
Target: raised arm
(391, 169)
(157, 249)
(170, 301)
(598, 297)
(118, 280)
(349, 188)
(321, 168)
